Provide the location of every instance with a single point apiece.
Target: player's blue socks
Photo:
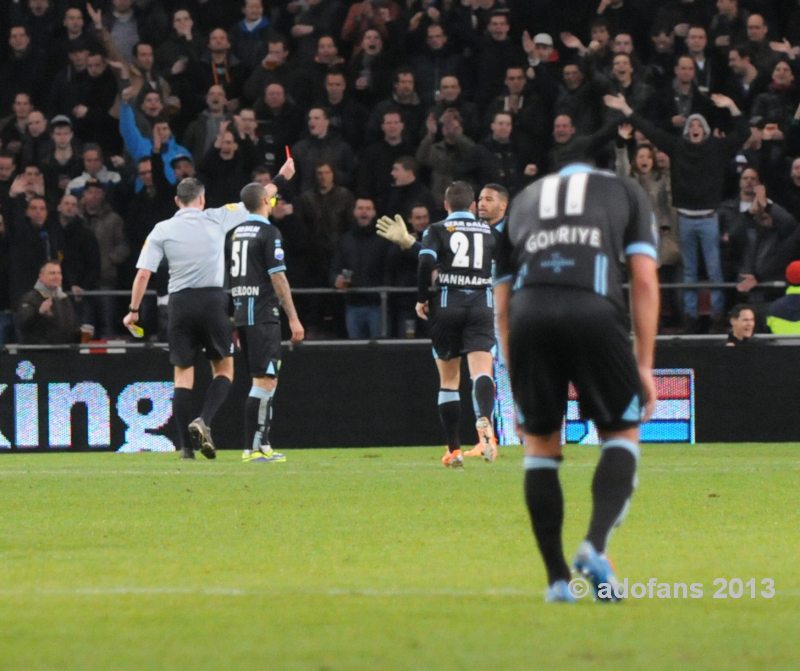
(183, 413)
(450, 416)
(216, 394)
(546, 508)
(612, 487)
(483, 396)
(257, 413)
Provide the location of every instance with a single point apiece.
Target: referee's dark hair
(459, 196)
(252, 196)
(189, 190)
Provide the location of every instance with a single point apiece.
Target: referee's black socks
(612, 487)
(546, 508)
(450, 415)
(216, 394)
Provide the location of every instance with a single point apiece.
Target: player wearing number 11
(461, 251)
(566, 322)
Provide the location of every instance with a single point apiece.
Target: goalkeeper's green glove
(394, 230)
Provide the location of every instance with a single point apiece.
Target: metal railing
(384, 293)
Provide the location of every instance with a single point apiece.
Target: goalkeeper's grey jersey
(193, 242)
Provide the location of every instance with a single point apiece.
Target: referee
(193, 243)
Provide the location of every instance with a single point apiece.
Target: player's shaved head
(459, 196)
(252, 196)
(189, 190)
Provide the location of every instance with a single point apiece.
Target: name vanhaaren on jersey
(452, 279)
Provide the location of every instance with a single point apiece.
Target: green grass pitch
(381, 559)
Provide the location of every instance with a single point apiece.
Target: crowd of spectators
(104, 106)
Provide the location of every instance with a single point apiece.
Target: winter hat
(793, 273)
(703, 123)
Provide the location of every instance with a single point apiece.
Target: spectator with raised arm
(698, 161)
(139, 146)
(655, 181)
(445, 157)
(136, 62)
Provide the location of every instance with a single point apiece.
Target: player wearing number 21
(454, 291)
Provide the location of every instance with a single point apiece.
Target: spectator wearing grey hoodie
(698, 160)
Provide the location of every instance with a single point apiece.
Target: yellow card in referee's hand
(136, 330)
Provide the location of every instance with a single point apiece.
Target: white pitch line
(426, 466)
(237, 592)
(330, 592)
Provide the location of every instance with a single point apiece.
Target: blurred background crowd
(104, 106)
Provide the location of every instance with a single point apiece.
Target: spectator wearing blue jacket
(139, 146)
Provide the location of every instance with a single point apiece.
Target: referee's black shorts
(461, 322)
(562, 335)
(198, 319)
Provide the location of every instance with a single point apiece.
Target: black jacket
(697, 170)
(81, 264)
(363, 252)
(59, 326)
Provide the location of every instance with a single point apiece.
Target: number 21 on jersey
(460, 246)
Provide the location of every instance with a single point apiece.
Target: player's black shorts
(261, 346)
(198, 319)
(461, 322)
(562, 335)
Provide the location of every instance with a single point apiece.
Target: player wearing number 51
(456, 258)
(258, 287)
(193, 242)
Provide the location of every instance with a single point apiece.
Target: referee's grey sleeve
(152, 252)
(228, 216)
